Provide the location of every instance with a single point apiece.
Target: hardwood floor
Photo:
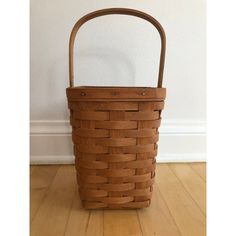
(178, 205)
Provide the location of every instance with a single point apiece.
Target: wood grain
(200, 169)
(188, 217)
(157, 219)
(121, 222)
(173, 211)
(105, 133)
(32, 169)
(40, 181)
(95, 224)
(52, 215)
(78, 219)
(192, 182)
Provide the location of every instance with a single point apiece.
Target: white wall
(118, 50)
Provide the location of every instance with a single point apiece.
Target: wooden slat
(142, 115)
(109, 142)
(98, 149)
(87, 148)
(151, 106)
(134, 178)
(150, 123)
(150, 140)
(139, 148)
(106, 142)
(200, 169)
(138, 133)
(112, 187)
(115, 172)
(134, 164)
(91, 115)
(108, 157)
(92, 179)
(193, 183)
(52, 216)
(101, 195)
(86, 193)
(115, 106)
(187, 215)
(40, 181)
(104, 106)
(92, 133)
(108, 200)
(115, 93)
(116, 124)
(92, 164)
(125, 223)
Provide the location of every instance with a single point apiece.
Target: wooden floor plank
(187, 215)
(78, 219)
(52, 215)
(95, 223)
(157, 220)
(192, 182)
(84, 222)
(174, 211)
(40, 181)
(200, 169)
(121, 222)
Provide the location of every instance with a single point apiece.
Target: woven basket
(115, 131)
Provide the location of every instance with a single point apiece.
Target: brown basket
(115, 131)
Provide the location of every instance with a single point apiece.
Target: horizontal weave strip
(115, 106)
(128, 115)
(83, 179)
(101, 205)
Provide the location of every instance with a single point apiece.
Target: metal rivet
(143, 93)
(82, 94)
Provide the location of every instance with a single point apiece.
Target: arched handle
(121, 11)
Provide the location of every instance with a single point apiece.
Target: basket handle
(121, 11)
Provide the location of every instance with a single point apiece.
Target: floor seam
(170, 212)
(86, 228)
(45, 195)
(186, 190)
(103, 222)
(70, 212)
(197, 173)
(139, 222)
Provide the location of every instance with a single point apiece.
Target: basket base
(99, 205)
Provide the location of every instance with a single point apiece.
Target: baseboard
(180, 141)
(167, 158)
(43, 127)
(39, 160)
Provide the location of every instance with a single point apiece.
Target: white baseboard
(167, 158)
(180, 141)
(38, 160)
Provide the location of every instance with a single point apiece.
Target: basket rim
(102, 93)
(114, 87)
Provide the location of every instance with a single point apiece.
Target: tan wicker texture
(115, 134)
(115, 145)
